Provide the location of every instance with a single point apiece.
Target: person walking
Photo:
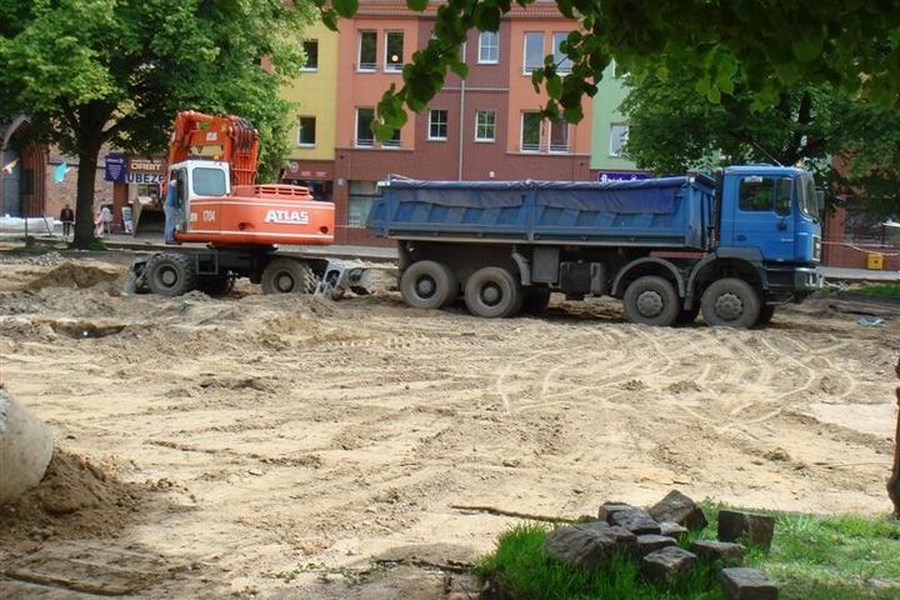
(170, 209)
(67, 217)
(107, 217)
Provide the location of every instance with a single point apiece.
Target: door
(762, 216)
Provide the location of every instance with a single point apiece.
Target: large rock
(607, 509)
(747, 584)
(581, 548)
(678, 508)
(726, 552)
(26, 446)
(750, 528)
(635, 520)
(651, 543)
(626, 542)
(664, 565)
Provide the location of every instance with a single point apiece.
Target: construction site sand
(291, 447)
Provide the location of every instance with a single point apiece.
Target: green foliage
(826, 558)
(773, 47)
(95, 72)
(674, 129)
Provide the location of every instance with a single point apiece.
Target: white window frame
(522, 147)
(563, 62)
(300, 142)
(390, 67)
(369, 67)
(356, 138)
(304, 68)
(612, 151)
(526, 69)
(482, 47)
(478, 114)
(431, 121)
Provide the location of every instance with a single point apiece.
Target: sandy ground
(291, 447)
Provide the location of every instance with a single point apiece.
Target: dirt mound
(75, 498)
(76, 275)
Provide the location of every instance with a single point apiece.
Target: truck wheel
(288, 276)
(651, 300)
(428, 284)
(731, 302)
(215, 285)
(765, 314)
(170, 274)
(493, 292)
(536, 300)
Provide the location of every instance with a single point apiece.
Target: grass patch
(891, 290)
(843, 557)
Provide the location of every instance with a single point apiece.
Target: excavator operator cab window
(209, 182)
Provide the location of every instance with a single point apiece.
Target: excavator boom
(236, 139)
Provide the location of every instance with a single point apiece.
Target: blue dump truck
(732, 248)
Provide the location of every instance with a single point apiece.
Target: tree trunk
(84, 201)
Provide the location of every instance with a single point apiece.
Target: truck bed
(665, 212)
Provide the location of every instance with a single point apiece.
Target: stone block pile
(651, 536)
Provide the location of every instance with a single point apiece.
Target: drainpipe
(462, 123)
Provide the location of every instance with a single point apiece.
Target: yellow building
(314, 93)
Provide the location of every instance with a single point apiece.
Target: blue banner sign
(116, 168)
(621, 175)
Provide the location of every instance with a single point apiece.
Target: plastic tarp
(36, 225)
(654, 196)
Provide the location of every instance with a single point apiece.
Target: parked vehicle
(669, 248)
(214, 161)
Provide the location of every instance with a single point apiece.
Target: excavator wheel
(170, 274)
(288, 276)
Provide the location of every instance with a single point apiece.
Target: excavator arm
(236, 138)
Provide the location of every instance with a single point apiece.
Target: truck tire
(536, 300)
(492, 293)
(170, 274)
(651, 300)
(730, 302)
(765, 315)
(428, 284)
(288, 276)
(215, 285)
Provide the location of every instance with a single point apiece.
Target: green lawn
(880, 289)
(812, 558)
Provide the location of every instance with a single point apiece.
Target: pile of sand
(75, 498)
(76, 275)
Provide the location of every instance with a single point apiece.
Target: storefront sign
(143, 178)
(297, 170)
(621, 175)
(116, 168)
(138, 164)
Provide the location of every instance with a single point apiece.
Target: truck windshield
(209, 182)
(806, 196)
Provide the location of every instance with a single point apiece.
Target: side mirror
(820, 201)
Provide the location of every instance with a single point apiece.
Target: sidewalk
(845, 274)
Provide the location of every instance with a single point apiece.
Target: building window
(618, 137)
(393, 51)
(531, 132)
(311, 50)
(307, 135)
(366, 59)
(559, 136)
(488, 48)
(563, 63)
(394, 142)
(364, 119)
(534, 52)
(362, 195)
(485, 126)
(437, 125)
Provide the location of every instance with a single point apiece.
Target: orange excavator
(213, 160)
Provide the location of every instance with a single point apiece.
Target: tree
(673, 129)
(853, 45)
(95, 72)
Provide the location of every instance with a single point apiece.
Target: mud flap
(340, 276)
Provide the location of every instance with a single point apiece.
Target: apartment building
(487, 126)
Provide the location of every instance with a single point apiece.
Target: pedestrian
(107, 217)
(170, 209)
(67, 217)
